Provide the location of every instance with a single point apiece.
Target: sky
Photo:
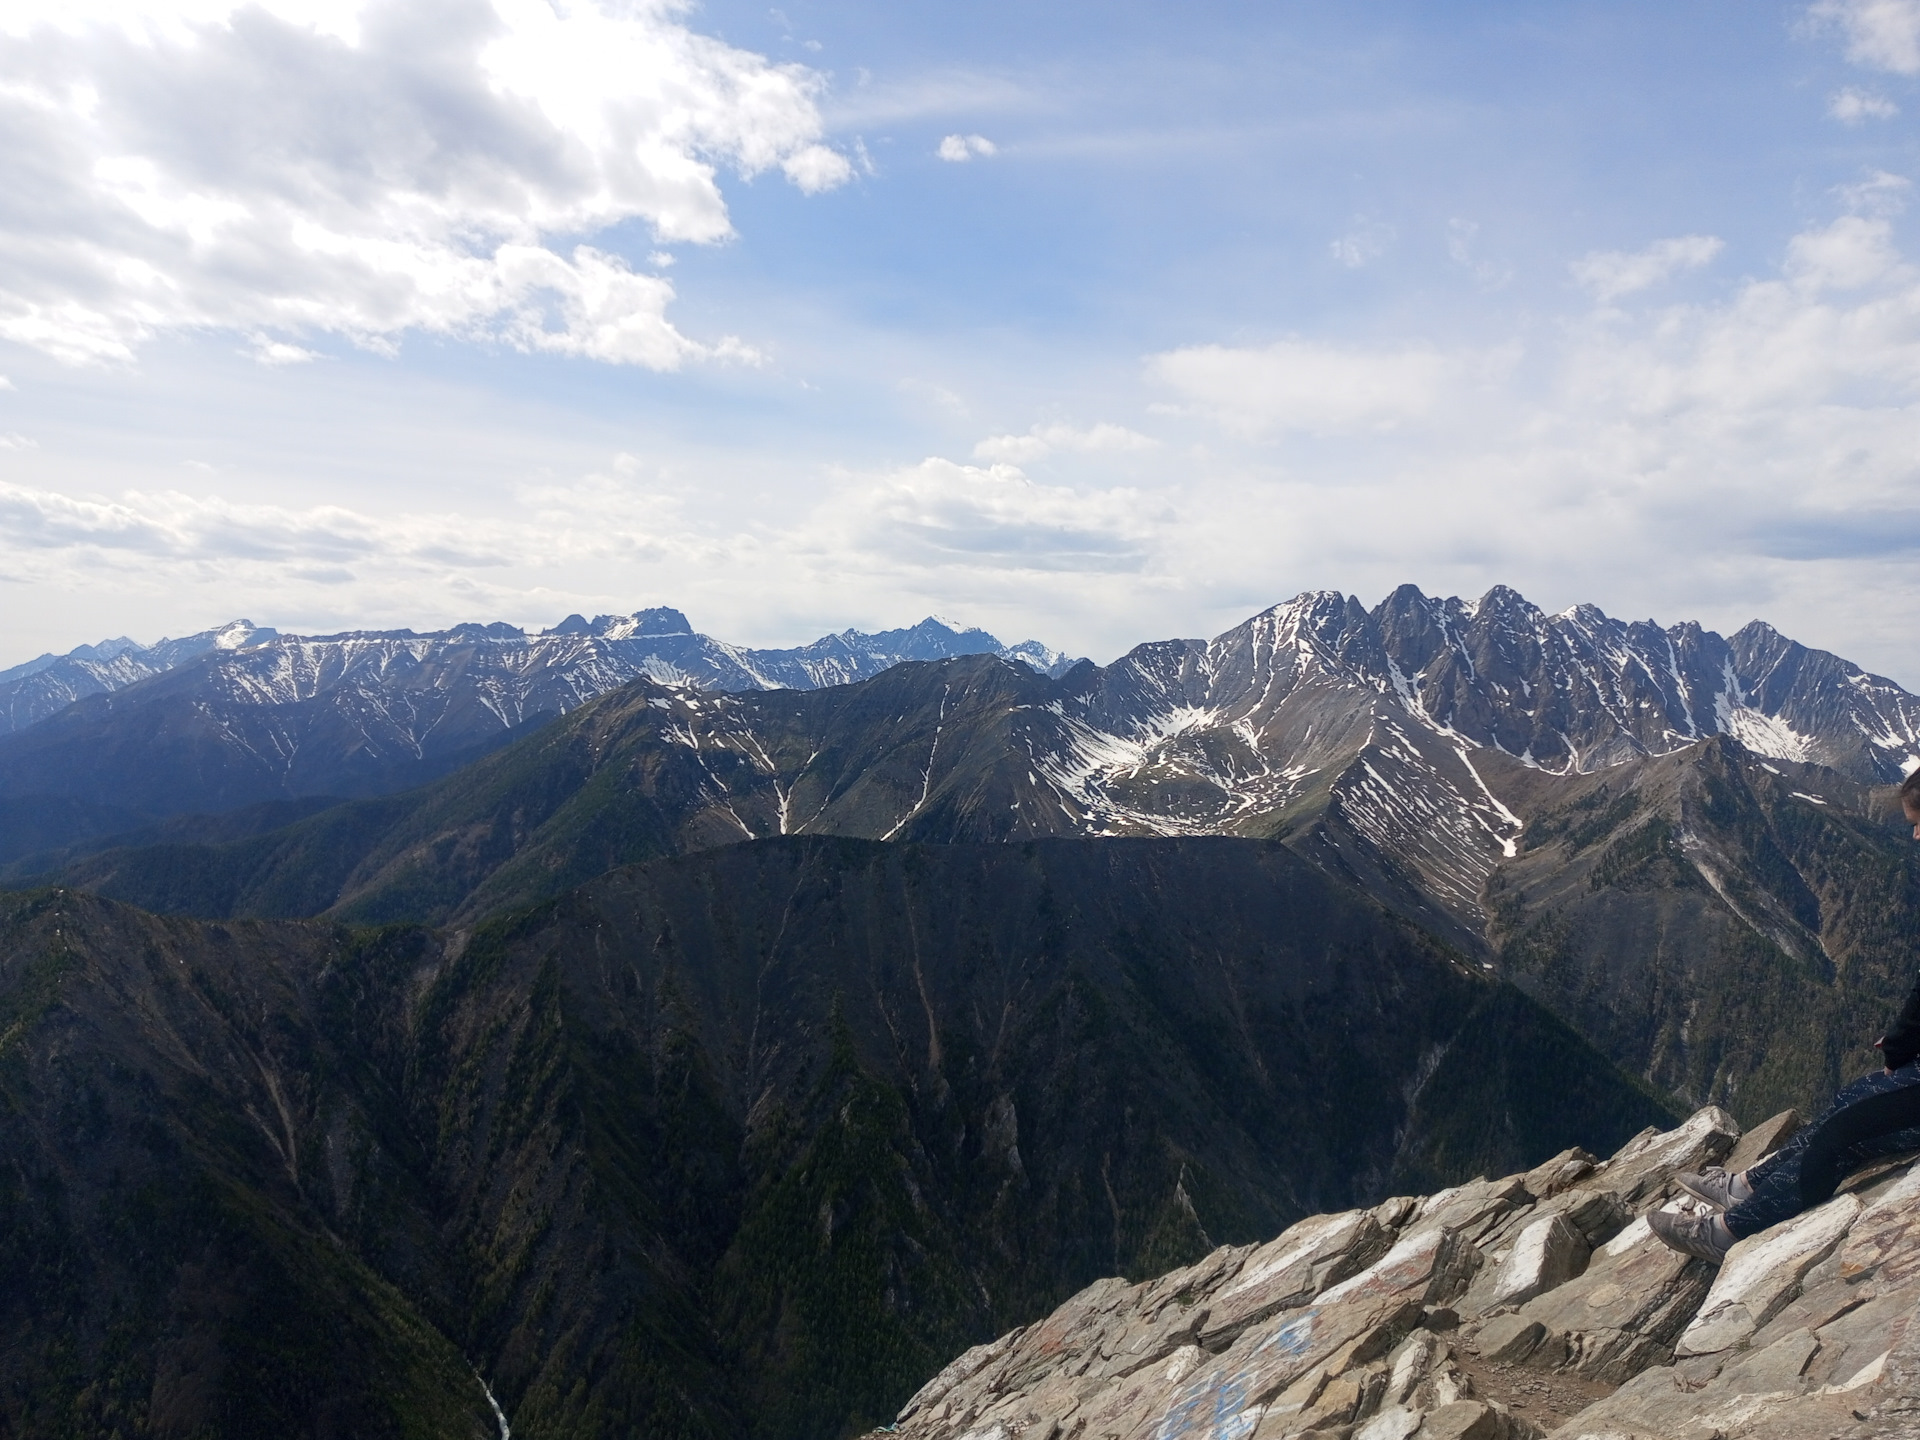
(1091, 324)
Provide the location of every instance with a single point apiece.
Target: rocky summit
(1533, 1305)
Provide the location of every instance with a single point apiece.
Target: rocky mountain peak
(661, 620)
(238, 633)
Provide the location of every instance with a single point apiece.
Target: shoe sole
(1698, 1252)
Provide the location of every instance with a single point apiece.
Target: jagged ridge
(1496, 1310)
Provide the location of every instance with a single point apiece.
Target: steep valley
(745, 1141)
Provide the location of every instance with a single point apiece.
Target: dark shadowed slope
(171, 1103)
(1735, 929)
(741, 1142)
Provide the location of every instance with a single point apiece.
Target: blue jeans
(1876, 1116)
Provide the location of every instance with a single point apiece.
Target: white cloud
(816, 168)
(983, 541)
(11, 440)
(300, 167)
(1364, 243)
(1302, 385)
(1880, 34)
(5, 383)
(1851, 106)
(941, 514)
(959, 149)
(1879, 194)
(1748, 453)
(268, 351)
(175, 526)
(1610, 274)
(1853, 251)
(947, 93)
(1044, 440)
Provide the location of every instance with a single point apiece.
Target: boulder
(1465, 1420)
(1412, 1362)
(1552, 1176)
(1547, 1253)
(1473, 1209)
(1509, 1339)
(1396, 1422)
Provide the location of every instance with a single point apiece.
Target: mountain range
(520, 673)
(116, 735)
(706, 1060)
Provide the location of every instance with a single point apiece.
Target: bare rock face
(1421, 1318)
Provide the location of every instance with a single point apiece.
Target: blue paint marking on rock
(1293, 1337)
(1214, 1405)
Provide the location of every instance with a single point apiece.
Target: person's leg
(1788, 1155)
(1878, 1114)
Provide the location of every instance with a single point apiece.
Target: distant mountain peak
(236, 634)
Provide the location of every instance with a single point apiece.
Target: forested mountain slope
(739, 1142)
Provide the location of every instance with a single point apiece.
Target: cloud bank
(289, 168)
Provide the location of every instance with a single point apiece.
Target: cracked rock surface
(1534, 1305)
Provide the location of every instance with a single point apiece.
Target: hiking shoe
(1713, 1185)
(1705, 1237)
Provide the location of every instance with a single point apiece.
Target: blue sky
(337, 314)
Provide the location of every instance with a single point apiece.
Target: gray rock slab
(1232, 1394)
(1115, 1407)
(1474, 1208)
(1509, 1339)
(1289, 1271)
(1885, 1241)
(1412, 1362)
(1777, 1368)
(1431, 1264)
(1646, 1164)
(1761, 1141)
(1463, 1420)
(1857, 1338)
(969, 1364)
(1625, 1311)
(1547, 1253)
(1395, 1422)
(1550, 1177)
(1762, 1274)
